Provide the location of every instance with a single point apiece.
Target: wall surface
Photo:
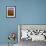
(7, 25)
(27, 12)
(31, 11)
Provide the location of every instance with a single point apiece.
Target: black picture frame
(14, 9)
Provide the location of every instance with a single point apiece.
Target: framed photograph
(26, 31)
(11, 11)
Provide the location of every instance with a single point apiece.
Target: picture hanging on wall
(11, 12)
